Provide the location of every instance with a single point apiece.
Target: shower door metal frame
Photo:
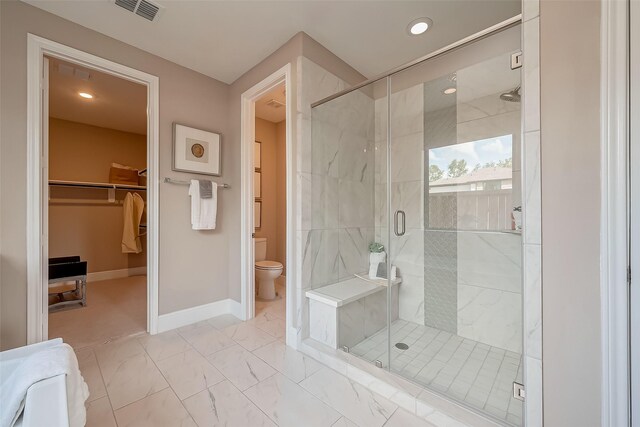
(487, 32)
(533, 414)
(620, 240)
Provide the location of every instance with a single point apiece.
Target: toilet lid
(268, 265)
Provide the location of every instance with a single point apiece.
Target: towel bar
(178, 182)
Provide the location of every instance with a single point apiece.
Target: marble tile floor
(477, 374)
(225, 372)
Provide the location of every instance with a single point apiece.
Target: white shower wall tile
(516, 193)
(408, 197)
(323, 323)
(489, 127)
(533, 402)
(380, 205)
(356, 158)
(531, 193)
(380, 117)
(356, 204)
(304, 146)
(480, 107)
(407, 110)
(490, 260)
(490, 316)
(532, 301)
(317, 83)
(305, 189)
(324, 202)
(531, 83)
(375, 313)
(353, 250)
(407, 158)
(320, 257)
(351, 323)
(531, 207)
(324, 155)
(407, 252)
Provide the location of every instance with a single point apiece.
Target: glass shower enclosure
(416, 190)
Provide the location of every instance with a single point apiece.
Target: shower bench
(345, 313)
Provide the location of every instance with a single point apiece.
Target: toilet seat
(268, 265)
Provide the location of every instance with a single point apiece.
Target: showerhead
(511, 96)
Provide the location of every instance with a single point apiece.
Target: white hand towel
(203, 211)
(54, 361)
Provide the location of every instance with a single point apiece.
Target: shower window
(470, 185)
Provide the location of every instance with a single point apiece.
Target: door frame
(37, 178)
(617, 240)
(247, 138)
(634, 259)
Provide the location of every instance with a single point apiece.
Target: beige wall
(281, 194)
(266, 134)
(79, 152)
(194, 266)
(81, 221)
(570, 141)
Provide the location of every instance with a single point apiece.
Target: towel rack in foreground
(178, 182)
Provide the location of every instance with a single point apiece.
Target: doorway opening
(77, 184)
(270, 206)
(97, 161)
(274, 205)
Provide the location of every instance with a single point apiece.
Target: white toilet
(266, 272)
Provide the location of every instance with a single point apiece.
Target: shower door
(454, 216)
(415, 224)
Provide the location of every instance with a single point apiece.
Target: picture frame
(257, 184)
(196, 151)
(257, 155)
(257, 214)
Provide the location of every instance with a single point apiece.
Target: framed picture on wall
(257, 185)
(196, 151)
(257, 214)
(257, 155)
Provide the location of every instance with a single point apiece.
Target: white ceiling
(117, 103)
(268, 112)
(224, 39)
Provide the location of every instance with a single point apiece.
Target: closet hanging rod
(178, 182)
(106, 185)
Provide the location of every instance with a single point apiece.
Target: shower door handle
(397, 217)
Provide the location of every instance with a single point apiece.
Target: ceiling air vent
(274, 103)
(142, 8)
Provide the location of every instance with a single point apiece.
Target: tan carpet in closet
(115, 308)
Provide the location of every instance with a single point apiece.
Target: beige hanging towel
(132, 207)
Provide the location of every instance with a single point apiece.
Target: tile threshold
(440, 410)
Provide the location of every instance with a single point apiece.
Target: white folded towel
(49, 363)
(203, 211)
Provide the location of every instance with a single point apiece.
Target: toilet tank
(260, 244)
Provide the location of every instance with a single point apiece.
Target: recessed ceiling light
(419, 26)
(85, 95)
(450, 90)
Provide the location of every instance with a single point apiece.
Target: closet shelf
(106, 185)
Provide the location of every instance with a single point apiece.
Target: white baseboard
(235, 308)
(188, 316)
(115, 274)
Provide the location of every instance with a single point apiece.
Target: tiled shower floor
(478, 374)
